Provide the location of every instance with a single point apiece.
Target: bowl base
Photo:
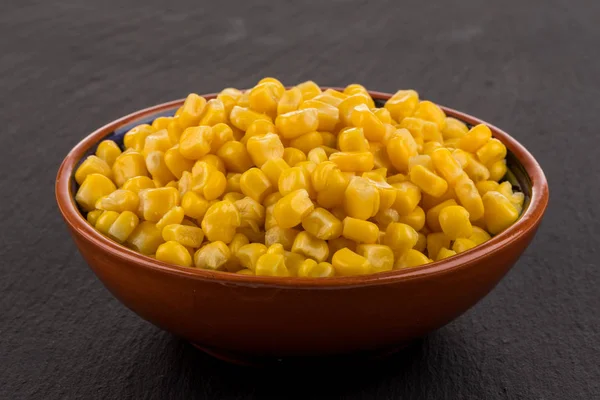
(249, 360)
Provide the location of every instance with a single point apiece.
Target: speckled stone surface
(67, 67)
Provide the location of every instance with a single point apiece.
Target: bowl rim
(528, 221)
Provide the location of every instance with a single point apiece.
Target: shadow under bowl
(247, 318)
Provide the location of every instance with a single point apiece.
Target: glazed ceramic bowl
(240, 316)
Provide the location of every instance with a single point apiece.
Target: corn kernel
(174, 253)
(396, 178)
(497, 170)
(93, 216)
(157, 141)
(235, 157)
(379, 256)
(387, 193)
(400, 237)
(431, 112)
(221, 134)
(175, 162)
(328, 115)
(386, 217)
(123, 226)
(191, 110)
(347, 106)
(283, 236)
(264, 97)
(128, 165)
(297, 123)
(135, 138)
(293, 156)
(108, 151)
(500, 213)
(356, 88)
(352, 139)
(258, 128)
(345, 262)
(361, 199)
(433, 214)
(119, 201)
(242, 117)
(475, 138)
(374, 130)
(446, 165)
(310, 246)
(353, 161)
(233, 183)
(229, 98)
(360, 231)
(245, 271)
(462, 244)
(154, 203)
(330, 184)
(428, 181)
(309, 89)
(454, 221)
(174, 216)
(469, 197)
(400, 148)
(408, 196)
(485, 186)
(213, 256)
(454, 129)
(208, 181)
(252, 213)
(317, 155)
(233, 196)
(311, 269)
(293, 179)
(383, 115)
(479, 236)
(272, 199)
(105, 221)
(421, 159)
(271, 265)
(145, 238)
(195, 142)
(430, 147)
(322, 224)
(307, 141)
(289, 101)
(249, 254)
(435, 242)
(445, 253)
(255, 184)
(402, 104)
(411, 258)
(233, 263)
(138, 183)
(94, 187)
(292, 208)
(491, 152)
(331, 97)
(194, 205)
(188, 236)
(329, 142)
(157, 167)
(416, 218)
(174, 130)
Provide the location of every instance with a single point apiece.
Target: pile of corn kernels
(300, 182)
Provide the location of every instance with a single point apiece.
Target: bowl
(247, 318)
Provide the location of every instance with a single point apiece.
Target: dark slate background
(67, 67)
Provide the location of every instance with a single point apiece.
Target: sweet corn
(329, 142)
(283, 236)
(345, 262)
(221, 221)
(157, 167)
(213, 256)
(475, 138)
(128, 165)
(435, 242)
(499, 213)
(311, 269)
(428, 181)
(105, 221)
(258, 128)
(387, 193)
(295, 178)
(191, 110)
(361, 199)
(400, 237)
(272, 199)
(174, 130)
(347, 106)
(433, 214)
(293, 156)
(135, 138)
(229, 98)
(462, 244)
(421, 159)
(364, 118)
(455, 223)
(402, 104)
(469, 197)
(408, 196)
(138, 183)
(157, 141)
(411, 258)
(421, 243)
(431, 112)
(92, 165)
(94, 187)
(289, 101)
(360, 231)
(383, 115)
(235, 156)
(309, 89)
(264, 98)
(322, 224)
(356, 88)
(123, 226)
(145, 238)
(328, 115)
(154, 203)
(233, 263)
(497, 170)
(330, 184)
(233, 196)
(445, 253)
(317, 155)
(271, 265)
(233, 183)
(194, 205)
(188, 236)
(296, 123)
(491, 152)
(400, 148)
(353, 161)
(396, 178)
(352, 139)
(195, 142)
(292, 208)
(416, 218)
(479, 236)
(174, 216)
(454, 129)
(446, 165)
(175, 162)
(430, 147)
(221, 134)
(174, 253)
(255, 184)
(93, 216)
(386, 217)
(293, 262)
(380, 257)
(310, 246)
(249, 254)
(119, 201)
(242, 117)
(208, 181)
(252, 213)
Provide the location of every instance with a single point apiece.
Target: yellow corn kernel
(289, 101)
(402, 104)
(252, 213)
(421, 244)
(194, 205)
(242, 117)
(497, 170)
(361, 199)
(312, 269)
(272, 199)
(469, 197)
(308, 166)
(271, 265)
(138, 183)
(485, 186)
(270, 221)
(329, 98)
(175, 162)
(174, 216)
(396, 178)
(309, 89)
(335, 93)
(322, 224)
(128, 165)
(360, 231)
(174, 253)
(157, 141)
(135, 138)
(329, 141)
(383, 115)
(452, 144)
(208, 181)
(435, 242)
(229, 98)
(245, 271)
(154, 203)
(356, 88)
(283, 236)
(255, 184)
(213, 113)
(431, 112)
(475, 138)
(264, 147)
(387, 193)
(347, 106)
(292, 208)
(408, 196)
(258, 128)
(479, 236)
(191, 110)
(416, 218)
(328, 115)
(195, 142)
(330, 184)
(119, 201)
(374, 130)
(462, 244)
(454, 221)
(233, 183)
(213, 256)
(292, 179)
(353, 161)
(433, 214)
(172, 184)
(352, 139)
(474, 169)
(264, 97)
(430, 147)
(444, 253)
(421, 159)
(221, 221)
(233, 196)
(293, 156)
(233, 263)
(145, 238)
(345, 262)
(221, 134)
(310, 246)
(277, 85)
(518, 199)
(293, 261)
(105, 221)
(428, 181)
(307, 142)
(157, 167)
(189, 236)
(92, 165)
(244, 99)
(249, 254)
(93, 216)
(386, 217)
(296, 123)
(94, 187)
(462, 157)
(400, 237)
(411, 258)
(317, 155)
(235, 157)
(123, 226)
(174, 130)
(400, 148)
(454, 129)
(108, 151)
(500, 213)
(446, 165)
(210, 159)
(491, 152)
(276, 248)
(380, 257)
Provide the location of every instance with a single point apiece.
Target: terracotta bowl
(247, 317)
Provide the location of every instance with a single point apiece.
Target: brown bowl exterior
(268, 316)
